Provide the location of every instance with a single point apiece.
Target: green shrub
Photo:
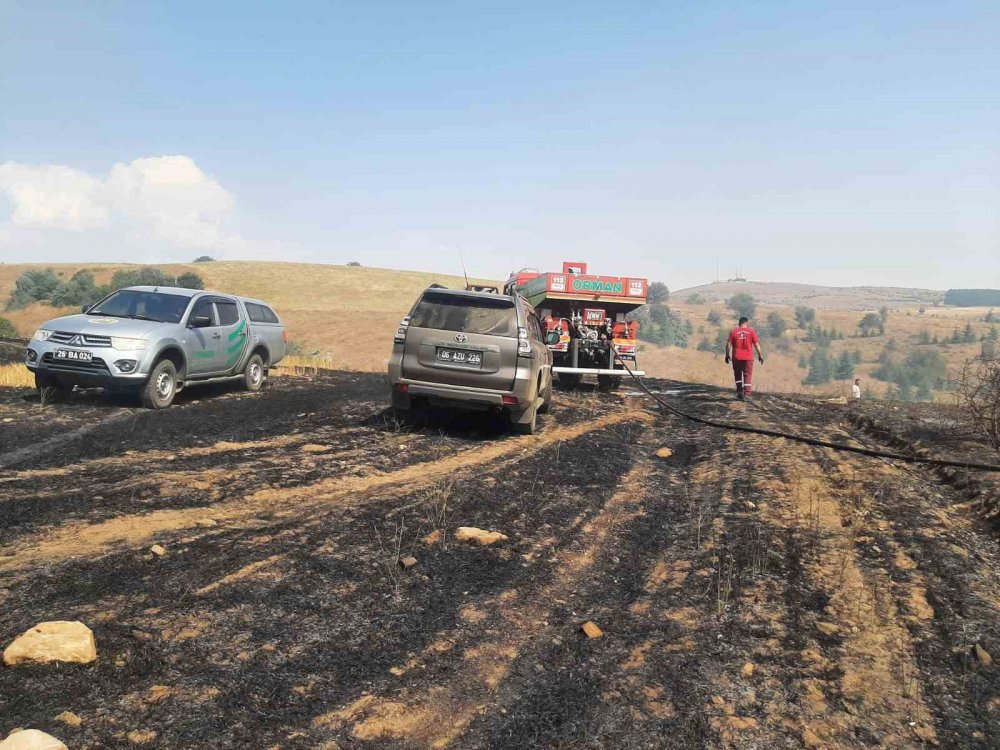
(33, 286)
(7, 329)
(743, 305)
(189, 280)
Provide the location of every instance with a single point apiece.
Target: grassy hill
(820, 297)
(348, 315)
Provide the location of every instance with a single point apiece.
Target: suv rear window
(449, 312)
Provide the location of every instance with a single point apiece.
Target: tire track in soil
(861, 683)
(78, 539)
(134, 482)
(944, 569)
(186, 631)
(623, 690)
(436, 716)
(925, 546)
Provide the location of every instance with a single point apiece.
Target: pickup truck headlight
(128, 345)
(42, 334)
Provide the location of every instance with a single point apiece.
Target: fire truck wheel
(608, 382)
(569, 379)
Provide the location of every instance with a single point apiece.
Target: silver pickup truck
(154, 341)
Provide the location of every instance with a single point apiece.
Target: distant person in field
(856, 388)
(739, 350)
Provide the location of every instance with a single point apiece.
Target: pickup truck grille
(96, 365)
(85, 339)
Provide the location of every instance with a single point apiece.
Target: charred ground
(752, 592)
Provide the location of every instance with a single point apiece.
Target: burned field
(752, 592)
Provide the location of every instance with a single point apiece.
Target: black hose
(801, 438)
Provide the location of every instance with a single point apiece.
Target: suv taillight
(400, 336)
(523, 345)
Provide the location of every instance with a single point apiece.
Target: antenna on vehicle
(465, 273)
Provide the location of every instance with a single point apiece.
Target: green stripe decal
(235, 334)
(236, 347)
(203, 355)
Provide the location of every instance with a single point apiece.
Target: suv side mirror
(200, 321)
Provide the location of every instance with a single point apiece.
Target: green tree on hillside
(820, 367)
(204, 259)
(804, 316)
(743, 305)
(657, 293)
(33, 286)
(917, 376)
(79, 290)
(144, 276)
(189, 280)
(776, 325)
(7, 329)
(844, 369)
(660, 325)
(870, 324)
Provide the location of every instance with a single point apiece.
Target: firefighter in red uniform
(739, 350)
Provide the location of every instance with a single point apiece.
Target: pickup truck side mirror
(199, 321)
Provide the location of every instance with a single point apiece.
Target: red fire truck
(584, 317)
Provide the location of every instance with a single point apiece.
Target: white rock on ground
(31, 739)
(53, 641)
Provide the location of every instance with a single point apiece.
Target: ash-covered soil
(752, 592)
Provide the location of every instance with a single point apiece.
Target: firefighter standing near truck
(743, 340)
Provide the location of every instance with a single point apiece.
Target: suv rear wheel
(526, 428)
(159, 390)
(546, 399)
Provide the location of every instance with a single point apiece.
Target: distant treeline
(972, 297)
(81, 289)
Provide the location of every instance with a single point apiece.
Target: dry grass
(16, 375)
(303, 365)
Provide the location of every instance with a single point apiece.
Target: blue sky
(840, 143)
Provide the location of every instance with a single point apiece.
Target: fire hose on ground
(912, 459)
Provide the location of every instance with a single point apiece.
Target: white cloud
(162, 204)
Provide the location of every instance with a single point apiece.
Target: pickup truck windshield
(130, 303)
(448, 312)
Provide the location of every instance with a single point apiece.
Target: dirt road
(751, 592)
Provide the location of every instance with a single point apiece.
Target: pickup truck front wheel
(159, 391)
(253, 374)
(49, 389)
